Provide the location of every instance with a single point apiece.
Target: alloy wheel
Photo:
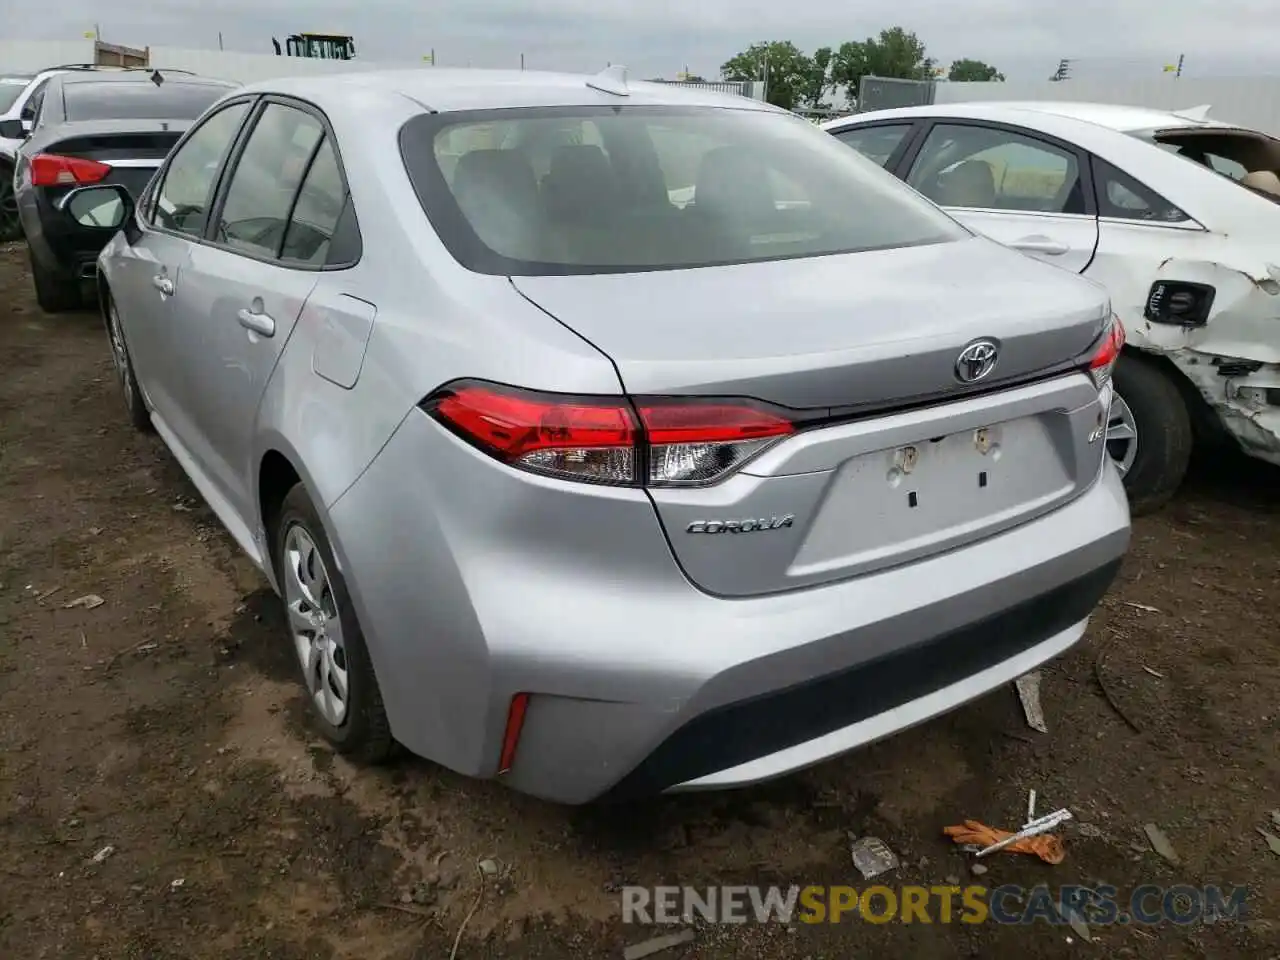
(119, 355)
(1122, 435)
(315, 625)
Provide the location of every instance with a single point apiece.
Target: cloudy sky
(1024, 38)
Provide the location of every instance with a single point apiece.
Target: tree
(818, 79)
(787, 71)
(962, 70)
(895, 53)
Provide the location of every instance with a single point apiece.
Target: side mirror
(14, 129)
(104, 207)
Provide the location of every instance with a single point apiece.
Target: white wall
(1249, 101)
(30, 56)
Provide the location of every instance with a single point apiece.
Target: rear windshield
(618, 189)
(11, 88)
(142, 100)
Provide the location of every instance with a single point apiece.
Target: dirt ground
(165, 727)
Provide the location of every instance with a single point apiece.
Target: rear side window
(315, 214)
(140, 100)
(621, 189)
(265, 181)
(877, 143)
(1122, 197)
(10, 90)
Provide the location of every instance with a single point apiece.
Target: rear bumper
(476, 583)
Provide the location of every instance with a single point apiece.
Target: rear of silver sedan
(852, 476)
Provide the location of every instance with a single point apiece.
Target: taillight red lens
(51, 170)
(598, 439)
(578, 439)
(1104, 360)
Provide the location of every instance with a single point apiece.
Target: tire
(139, 415)
(1164, 433)
(10, 225)
(362, 732)
(54, 292)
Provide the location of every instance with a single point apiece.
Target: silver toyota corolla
(612, 438)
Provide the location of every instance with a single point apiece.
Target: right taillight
(51, 170)
(1108, 352)
(657, 441)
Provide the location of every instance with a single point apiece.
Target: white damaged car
(1177, 215)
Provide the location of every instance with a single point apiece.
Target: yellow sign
(428, 58)
(1170, 68)
(91, 34)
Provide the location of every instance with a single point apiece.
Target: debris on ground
(47, 594)
(1033, 839)
(1145, 608)
(178, 884)
(1109, 696)
(977, 869)
(103, 854)
(657, 944)
(1160, 843)
(1028, 686)
(89, 601)
(1272, 841)
(872, 857)
(1155, 673)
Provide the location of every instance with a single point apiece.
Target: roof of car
(1125, 119)
(140, 76)
(444, 89)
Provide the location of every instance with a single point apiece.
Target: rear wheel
(10, 225)
(54, 292)
(342, 690)
(1149, 436)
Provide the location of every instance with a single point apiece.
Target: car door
(244, 287)
(1025, 190)
(146, 272)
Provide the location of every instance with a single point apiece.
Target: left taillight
(657, 441)
(1108, 352)
(52, 170)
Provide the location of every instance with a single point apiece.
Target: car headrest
(497, 193)
(581, 186)
(1263, 180)
(971, 184)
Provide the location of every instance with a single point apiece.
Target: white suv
(20, 97)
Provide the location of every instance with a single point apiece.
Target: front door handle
(1038, 244)
(259, 323)
(163, 284)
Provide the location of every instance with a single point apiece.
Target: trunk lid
(918, 462)
(134, 149)
(869, 330)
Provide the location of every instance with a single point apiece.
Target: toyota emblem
(976, 361)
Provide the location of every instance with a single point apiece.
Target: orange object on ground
(1045, 846)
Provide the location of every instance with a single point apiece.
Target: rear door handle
(163, 284)
(1045, 245)
(259, 323)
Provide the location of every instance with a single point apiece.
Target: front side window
(139, 100)
(182, 202)
(992, 168)
(876, 143)
(266, 178)
(591, 190)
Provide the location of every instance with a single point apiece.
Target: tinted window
(1123, 197)
(989, 168)
(266, 178)
(183, 199)
(10, 89)
(140, 100)
(588, 190)
(315, 215)
(875, 143)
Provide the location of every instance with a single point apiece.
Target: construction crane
(320, 46)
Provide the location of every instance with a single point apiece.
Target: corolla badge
(741, 526)
(976, 361)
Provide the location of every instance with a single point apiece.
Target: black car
(89, 128)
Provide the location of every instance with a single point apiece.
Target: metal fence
(754, 89)
(885, 93)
